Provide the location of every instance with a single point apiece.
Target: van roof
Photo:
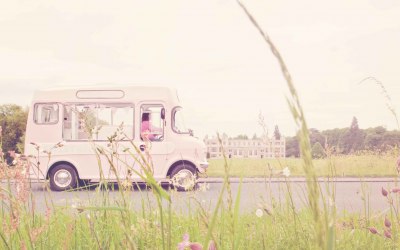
(109, 93)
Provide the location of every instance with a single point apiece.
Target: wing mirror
(163, 113)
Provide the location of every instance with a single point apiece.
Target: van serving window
(97, 121)
(100, 94)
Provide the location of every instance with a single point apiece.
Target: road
(255, 194)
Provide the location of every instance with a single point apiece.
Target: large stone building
(246, 148)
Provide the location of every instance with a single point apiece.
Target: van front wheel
(184, 177)
(63, 177)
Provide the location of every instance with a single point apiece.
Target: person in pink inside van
(148, 131)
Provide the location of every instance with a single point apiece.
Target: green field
(365, 165)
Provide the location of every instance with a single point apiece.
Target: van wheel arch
(178, 163)
(60, 163)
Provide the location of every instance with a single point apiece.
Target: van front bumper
(202, 166)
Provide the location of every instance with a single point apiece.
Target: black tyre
(63, 177)
(184, 177)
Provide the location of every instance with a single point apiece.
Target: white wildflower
(203, 187)
(286, 172)
(23, 172)
(259, 213)
(331, 202)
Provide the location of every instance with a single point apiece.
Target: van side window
(152, 123)
(178, 121)
(46, 113)
(97, 121)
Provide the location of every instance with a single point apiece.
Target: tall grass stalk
(304, 139)
(389, 103)
(146, 174)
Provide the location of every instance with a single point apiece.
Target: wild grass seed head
(387, 234)
(373, 230)
(384, 192)
(387, 223)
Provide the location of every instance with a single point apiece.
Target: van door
(153, 136)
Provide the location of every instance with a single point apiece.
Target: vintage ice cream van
(68, 127)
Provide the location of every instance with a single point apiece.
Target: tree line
(346, 140)
(339, 140)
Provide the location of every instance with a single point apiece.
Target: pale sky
(208, 49)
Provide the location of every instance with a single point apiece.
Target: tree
(318, 151)
(292, 147)
(241, 137)
(277, 134)
(374, 137)
(316, 136)
(333, 137)
(13, 122)
(391, 138)
(353, 138)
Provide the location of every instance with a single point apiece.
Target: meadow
(115, 223)
(365, 164)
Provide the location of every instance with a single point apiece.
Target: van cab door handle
(142, 147)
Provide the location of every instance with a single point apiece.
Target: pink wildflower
(384, 192)
(1, 131)
(196, 246)
(36, 232)
(373, 230)
(395, 190)
(12, 154)
(186, 244)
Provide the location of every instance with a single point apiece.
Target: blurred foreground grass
(105, 228)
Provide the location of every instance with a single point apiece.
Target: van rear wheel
(184, 177)
(63, 177)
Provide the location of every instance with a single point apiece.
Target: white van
(82, 117)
